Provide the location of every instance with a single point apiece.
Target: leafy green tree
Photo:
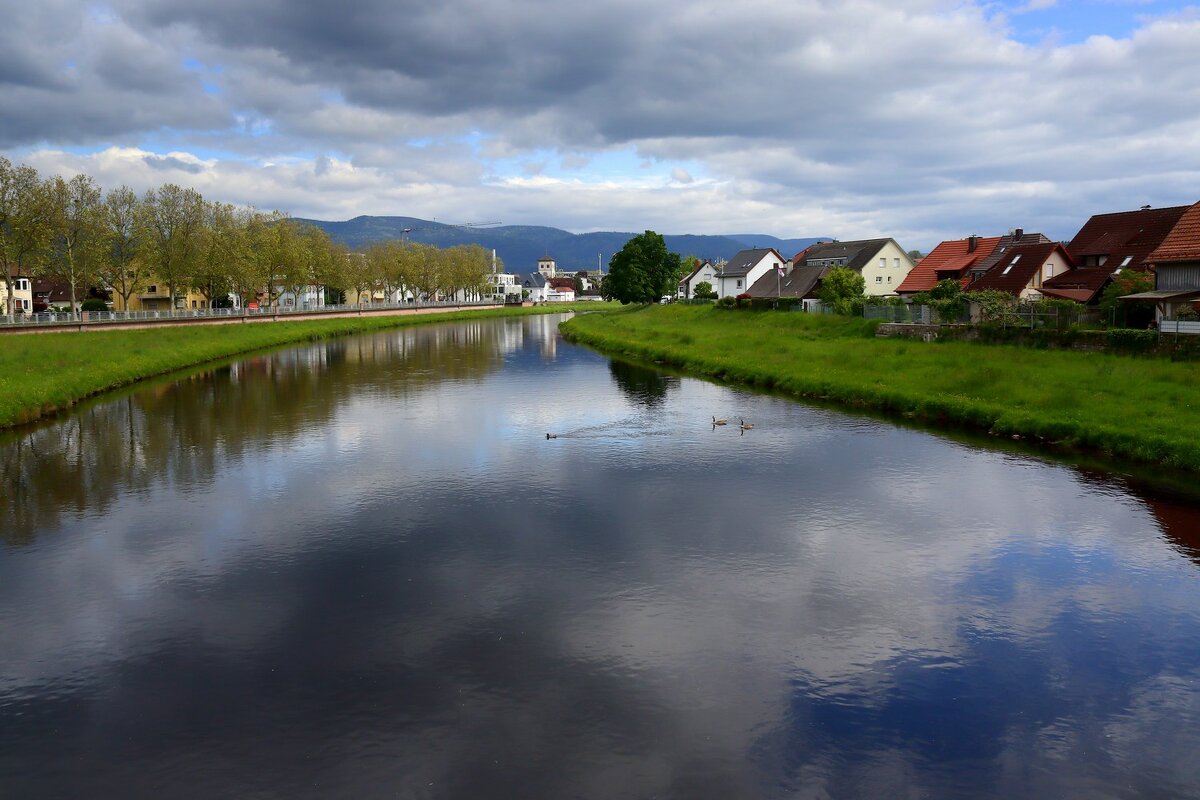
(915, 255)
(76, 218)
(704, 291)
(840, 287)
(122, 266)
(173, 218)
(25, 223)
(642, 271)
(946, 289)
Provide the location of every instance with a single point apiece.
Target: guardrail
(50, 318)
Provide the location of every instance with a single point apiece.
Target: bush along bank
(43, 373)
(1131, 408)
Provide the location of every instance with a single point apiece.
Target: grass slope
(42, 373)
(1139, 409)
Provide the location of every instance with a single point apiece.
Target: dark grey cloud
(920, 119)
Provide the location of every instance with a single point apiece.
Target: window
(739, 283)
(896, 264)
(889, 278)
(883, 263)
(22, 284)
(879, 279)
(152, 289)
(1125, 261)
(1016, 258)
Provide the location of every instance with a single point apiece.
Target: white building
(706, 272)
(22, 295)
(547, 267)
(741, 271)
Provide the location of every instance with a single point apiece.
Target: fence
(1025, 316)
(911, 314)
(100, 317)
(1180, 326)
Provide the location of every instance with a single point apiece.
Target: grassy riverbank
(42, 373)
(1140, 409)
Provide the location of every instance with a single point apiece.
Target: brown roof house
(1176, 265)
(798, 283)
(1023, 268)
(1013, 238)
(1108, 244)
(950, 259)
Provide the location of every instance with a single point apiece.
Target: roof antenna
(1146, 207)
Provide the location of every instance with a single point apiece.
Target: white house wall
(881, 279)
(734, 285)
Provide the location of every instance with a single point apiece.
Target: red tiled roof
(949, 255)
(1125, 238)
(1183, 242)
(1020, 272)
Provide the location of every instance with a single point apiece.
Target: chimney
(1017, 234)
(972, 243)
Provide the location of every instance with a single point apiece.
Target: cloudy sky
(918, 119)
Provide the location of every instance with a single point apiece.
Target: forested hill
(520, 246)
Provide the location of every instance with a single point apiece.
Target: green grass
(1145, 410)
(43, 373)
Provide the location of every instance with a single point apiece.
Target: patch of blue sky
(1073, 21)
(210, 88)
(622, 165)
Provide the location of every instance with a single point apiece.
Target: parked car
(666, 298)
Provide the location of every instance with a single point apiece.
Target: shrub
(1132, 340)
(726, 302)
(93, 304)
(743, 300)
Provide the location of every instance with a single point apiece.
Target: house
(951, 259)
(504, 285)
(155, 296)
(308, 297)
(535, 284)
(741, 271)
(22, 295)
(705, 272)
(1021, 269)
(798, 283)
(882, 262)
(547, 267)
(1014, 238)
(560, 290)
(1108, 244)
(1176, 265)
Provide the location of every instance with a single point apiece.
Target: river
(360, 569)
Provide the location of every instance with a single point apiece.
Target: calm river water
(360, 570)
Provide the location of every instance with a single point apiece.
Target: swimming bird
(551, 435)
(745, 425)
(720, 421)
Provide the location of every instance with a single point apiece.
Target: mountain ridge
(520, 246)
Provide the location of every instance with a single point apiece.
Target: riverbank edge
(42, 376)
(1051, 433)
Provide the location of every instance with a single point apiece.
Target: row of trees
(72, 232)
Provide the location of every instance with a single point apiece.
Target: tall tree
(25, 229)
(173, 218)
(77, 237)
(122, 266)
(643, 270)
